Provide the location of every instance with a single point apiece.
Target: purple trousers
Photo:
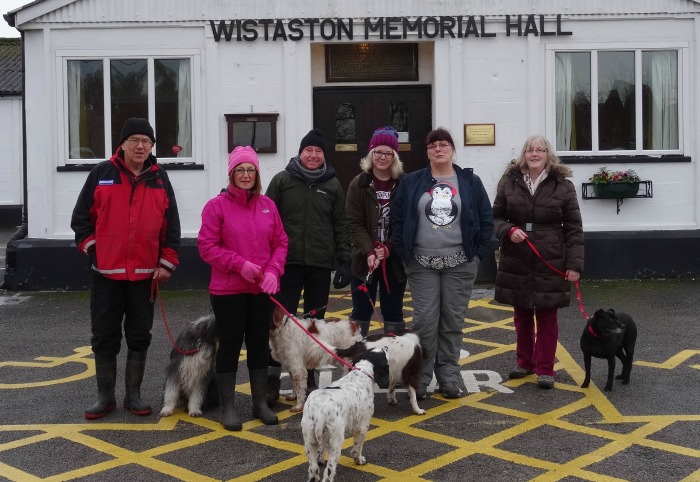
(535, 349)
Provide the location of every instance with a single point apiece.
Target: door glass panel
(345, 123)
(398, 118)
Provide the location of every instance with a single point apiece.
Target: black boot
(394, 328)
(311, 381)
(106, 375)
(135, 366)
(272, 389)
(227, 411)
(258, 381)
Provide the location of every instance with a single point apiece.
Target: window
(101, 93)
(637, 101)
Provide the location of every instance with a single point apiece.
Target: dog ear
(277, 316)
(611, 311)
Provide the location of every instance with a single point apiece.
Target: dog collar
(592, 331)
(361, 370)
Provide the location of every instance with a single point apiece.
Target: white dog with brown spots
(343, 408)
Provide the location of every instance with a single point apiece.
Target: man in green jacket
(311, 203)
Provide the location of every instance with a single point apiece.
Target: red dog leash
(155, 292)
(293, 318)
(560, 273)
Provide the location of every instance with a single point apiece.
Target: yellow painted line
(694, 477)
(15, 474)
(86, 434)
(47, 362)
(672, 362)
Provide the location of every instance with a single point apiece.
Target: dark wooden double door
(349, 115)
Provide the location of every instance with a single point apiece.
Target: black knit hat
(137, 125)
(313, 138)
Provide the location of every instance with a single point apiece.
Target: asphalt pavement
(500, 430)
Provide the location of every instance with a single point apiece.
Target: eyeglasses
(135, 141)
(441, 145)
(245, 170)
(387, 155)
(538, 151)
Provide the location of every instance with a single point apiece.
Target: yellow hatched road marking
(456, 448)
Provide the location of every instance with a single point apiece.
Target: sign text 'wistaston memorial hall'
(389, 28)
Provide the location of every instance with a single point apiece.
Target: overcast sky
(6, 6)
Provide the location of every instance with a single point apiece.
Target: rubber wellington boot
(106, 375)
(227, 410)
(272, 389)
(310, 381)
(258, 381)
(135, 366)
(394, 328)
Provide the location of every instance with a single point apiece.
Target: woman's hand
(381, 251)
(518, 236)
(372, 261)
(572, 275)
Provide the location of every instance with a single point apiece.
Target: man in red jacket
(126, 221)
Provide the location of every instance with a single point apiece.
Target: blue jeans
(391, 303)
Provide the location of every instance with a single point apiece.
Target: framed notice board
(372, 62)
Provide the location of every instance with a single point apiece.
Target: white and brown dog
(192, 378)
(344, 407)
(298, 352)
(405, 363)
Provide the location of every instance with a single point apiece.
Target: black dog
(609, 334)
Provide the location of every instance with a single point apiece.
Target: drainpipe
(23, 229)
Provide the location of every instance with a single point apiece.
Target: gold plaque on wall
(479, 134)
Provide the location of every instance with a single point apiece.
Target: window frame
(62, 139)
(682, 49)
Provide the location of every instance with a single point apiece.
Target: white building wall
(11, 186)
(501, 80)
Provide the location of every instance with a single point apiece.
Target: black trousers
(316, 284)
(242, 317)
(113, 302)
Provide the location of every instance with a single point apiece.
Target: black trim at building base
(44, 264)
(10, 215)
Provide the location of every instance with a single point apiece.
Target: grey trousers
(440, 302)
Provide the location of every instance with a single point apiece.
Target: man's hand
(162, 275)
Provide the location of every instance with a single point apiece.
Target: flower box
(616, 190)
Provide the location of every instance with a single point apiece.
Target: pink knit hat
(385, 136)
(240, 155)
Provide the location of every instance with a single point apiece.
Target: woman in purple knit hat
(368, 206)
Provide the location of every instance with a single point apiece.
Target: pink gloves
(251, 272)
(269, 284)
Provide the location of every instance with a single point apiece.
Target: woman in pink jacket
(243, 240)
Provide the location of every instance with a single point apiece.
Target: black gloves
(342, 277)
